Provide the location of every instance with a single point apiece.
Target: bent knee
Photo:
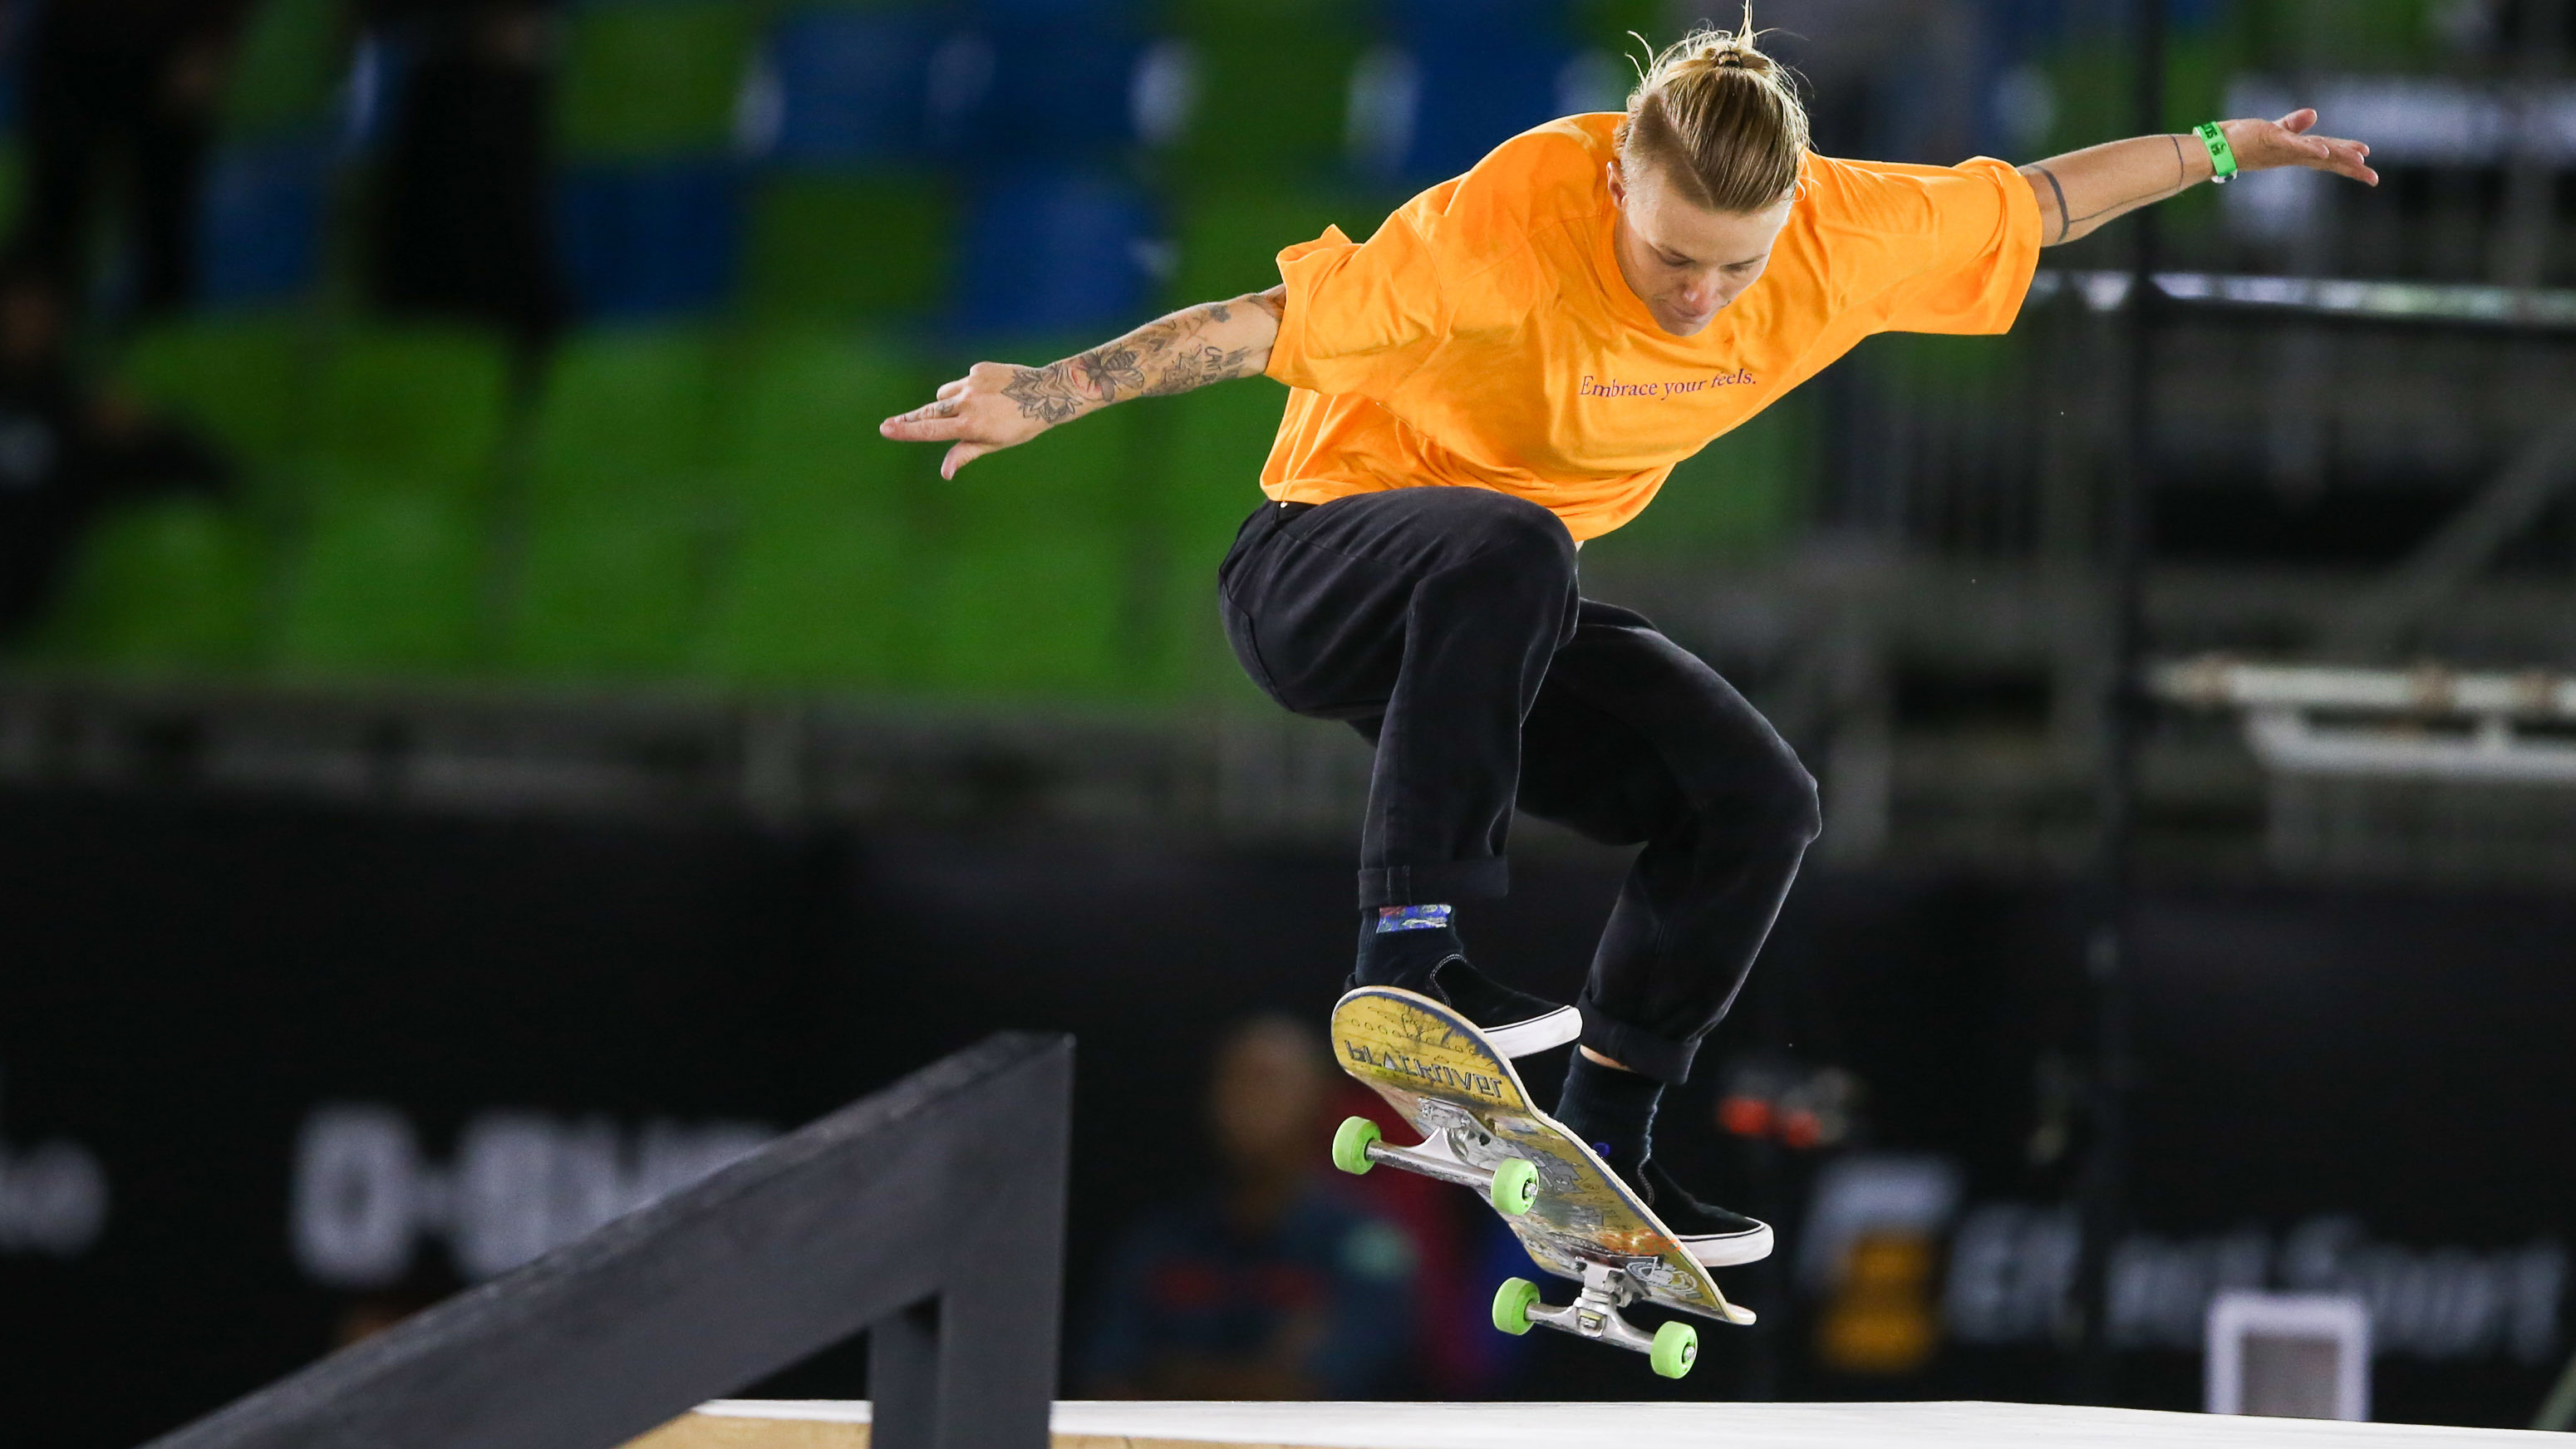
(1518, 534)
(1799, 805)
(1774, 803)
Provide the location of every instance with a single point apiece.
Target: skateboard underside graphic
(1479, 1129)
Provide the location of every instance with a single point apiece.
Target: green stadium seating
(616, 522)
(622, 408)
(1035, 582)
(803, 423)
(828, 250)
(159, 584)
(1231, 237)
(1613, 25)
(604, 595)
(411, 406)
(1217, 440)
(2367, 35)
(386, 571)
(383, 581)
(653, 77)
(1211, 445)
(818, 586)
(1272, 102)
(243, 380)
(286, 70)
(818, 598)
(1743, 496)
(1273, 87)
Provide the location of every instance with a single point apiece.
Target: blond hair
(1718, 119)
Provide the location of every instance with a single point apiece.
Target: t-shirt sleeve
(1977, 239)
(1360, 316)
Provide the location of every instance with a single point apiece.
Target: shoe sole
(1725, 1250)
(1537, 1034)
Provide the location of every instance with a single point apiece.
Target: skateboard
(1480, 1130)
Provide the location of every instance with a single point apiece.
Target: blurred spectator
(1461, 1250)
(121, 90)
(1269, 1286)
(461, 224)
(66, 448)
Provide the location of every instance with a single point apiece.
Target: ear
(1618, 185)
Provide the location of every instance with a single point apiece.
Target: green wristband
(2222, 157)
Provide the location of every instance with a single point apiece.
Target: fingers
(929, 423)
(2346, 158)
(959, 456)
(951, 389)
(915, 427)
(2289, 143)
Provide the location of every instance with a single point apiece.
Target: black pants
(1444, 624)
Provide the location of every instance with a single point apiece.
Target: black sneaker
(1516, 1022)
(1716, 1237)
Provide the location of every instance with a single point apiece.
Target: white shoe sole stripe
(1536, 1034)
(1721, 1250)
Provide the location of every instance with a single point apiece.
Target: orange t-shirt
(1484, 337)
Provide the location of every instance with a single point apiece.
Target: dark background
(185, 981)
(464, 649)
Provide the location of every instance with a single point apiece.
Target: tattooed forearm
(1174, 354)
(1200, 367)
(1113, 370)
(1044, 393)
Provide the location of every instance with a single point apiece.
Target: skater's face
(1685, 262)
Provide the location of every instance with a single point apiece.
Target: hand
(2270, 145)
(996, 405)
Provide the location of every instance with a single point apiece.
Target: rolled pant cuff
(1638, 1050)
(1437, 884)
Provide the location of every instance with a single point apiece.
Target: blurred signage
(520, 1184)
(53, 1198)
(2012, 1271)
(1869, 1251)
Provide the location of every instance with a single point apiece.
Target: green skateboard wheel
(1676, 1348)
(1515, 1186)
(1512, 1305)
(1351, 1144)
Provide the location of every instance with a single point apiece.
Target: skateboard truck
(1511, 1184)
(1571, 1212)
(1672, 1348)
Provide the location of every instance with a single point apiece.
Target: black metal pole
(2107, 955)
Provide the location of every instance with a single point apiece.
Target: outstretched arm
(2081, 190)
(997, 405)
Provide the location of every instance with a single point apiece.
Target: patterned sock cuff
(1413, 918)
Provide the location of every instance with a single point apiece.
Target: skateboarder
(1508, 367)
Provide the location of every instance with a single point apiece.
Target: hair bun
(1717, 117)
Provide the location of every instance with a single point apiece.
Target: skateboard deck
(1476, 1120)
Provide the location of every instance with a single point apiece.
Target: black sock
(1400, 944)
(1613, 1110)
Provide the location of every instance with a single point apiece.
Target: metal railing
(930, 1215)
